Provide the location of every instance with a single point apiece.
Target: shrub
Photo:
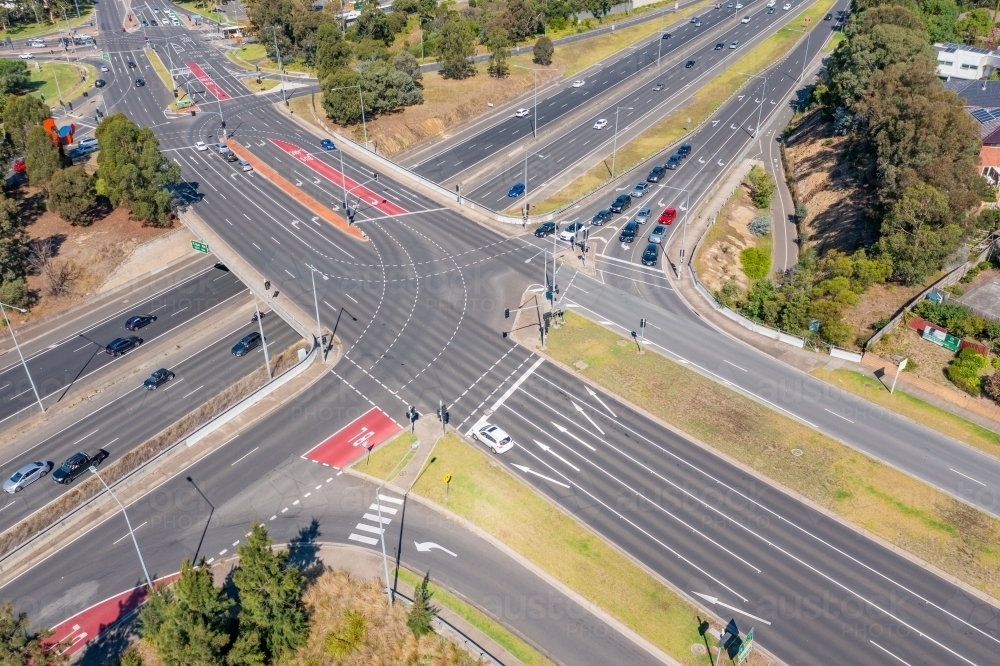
(760, 225)
(761, 187)
(756, 263)
(542, 53)
(991, 387)
(729, 295)
(963, 371)
(995, 363)
(801, 212)
(15, 292)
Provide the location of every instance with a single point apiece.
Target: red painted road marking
(207, 81)
(339, 179)
(355, 439)
(90, 623)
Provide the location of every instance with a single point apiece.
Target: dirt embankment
(718, 260)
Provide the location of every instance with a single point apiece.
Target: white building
(956, 61)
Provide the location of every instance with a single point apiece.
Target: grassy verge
(837, 38)
(914, 408)
(483, 493)
(385, 458)
(878, 498)
(193, 8)
(265, 84)
(160, 68)
(51, 81)
(526, 654)
(254, 55)
(702, 105)
(45, 28)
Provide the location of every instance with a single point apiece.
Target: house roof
(989, 156)
(978, 94)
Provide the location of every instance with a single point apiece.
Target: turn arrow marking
(715, 601)
(593, 394)
(567, 432)
(587, 416)
(528, 470)
(548, 449)
(430, 545)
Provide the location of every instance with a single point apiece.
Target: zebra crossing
(379, 514)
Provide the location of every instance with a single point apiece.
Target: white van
(772, 3)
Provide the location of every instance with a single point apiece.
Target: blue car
(327, 144)
(516, 191)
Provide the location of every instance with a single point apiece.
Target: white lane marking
(528, 470)
(193, 392)
(966, 476)
(587, 416)
(376, 519)
(349, 296)
(593, 394)
(514, 386)
(385, 509)
(715, 602)
(126, 536)
(245, 455)
(385, 498)
(89, 344)
(180, 311)
(363, 539)
(733, 364)
(566, 431)
(836, 414)
(548, 449)
(223, 552)
(887, 652)
(369, 528)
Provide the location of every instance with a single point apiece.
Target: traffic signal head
(506, 313)
(375, 175)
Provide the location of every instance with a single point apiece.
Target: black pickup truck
(77, 464)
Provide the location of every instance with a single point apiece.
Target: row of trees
(14, 13)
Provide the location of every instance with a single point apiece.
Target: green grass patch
(831, 45)
(52, 81)
(696, 111)
(913, 408)
(265, 84)
(160, 69)
(878, 498)
(25, 30)
(386, 457)
(526, 654)
(204, 11)
(485, 494)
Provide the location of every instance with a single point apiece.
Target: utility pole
(18, 347)
(319, 327)
(263, 340)
(614, 152)
(149, 581)
(281, 70)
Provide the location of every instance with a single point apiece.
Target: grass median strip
(915, 517)
(385, 458)
(696, 111)
(526, 654)
(485, 494)
(55, 81)
(907, 405)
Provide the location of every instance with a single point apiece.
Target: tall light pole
(534, 108)
(805, 58)
(18, 347)
(378, 507)
(281, 70)
(149, 581)
(263, 340)
(526, 153)
(364, 125)
(319, 327)
(614, 152)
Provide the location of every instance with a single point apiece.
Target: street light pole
(614, 152)
(18, 347)
(149, 581)
(381, 525)
(263, 340)
(281, 70)
(319, 326)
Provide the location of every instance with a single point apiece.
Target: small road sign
(745, 648)
(106, 56)
(198, 246)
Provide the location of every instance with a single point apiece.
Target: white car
(27, 56)
(786, 6)
(26, 476)
(494, 438)
(746, 19)
(578, 83)
(522, 113)
(88, 141)
(601, 124)
(200, 146)
(771, 3)
(245, 166)
(569, 233)
(36, 43)
(104, 68)
(739, 5)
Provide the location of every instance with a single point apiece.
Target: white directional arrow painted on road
(587, 416)
(715, 602)
(430, 545)
(593, 394)
(548, 449)
(315, 220)
(528, 470)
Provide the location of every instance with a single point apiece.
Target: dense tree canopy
(20, 114)
(41, 157)
(20, 645)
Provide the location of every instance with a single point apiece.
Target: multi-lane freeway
(425, 295)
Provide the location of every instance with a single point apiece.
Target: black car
(684, 150)
(828, 17)
(655, 175)
(119, 346)
(720, 46)
(152, 21)
(161, 376)
(131, 65)
(666, 35)
(602, 217)
(629, 231)
(545, 229)
(99, 83)
(77, 464)
(139, 83)
(231, 157)
(689, 64)
(674, 161)
(246, 343)
(621, 204)
(139, 321)
(770, 10)
(650, 254)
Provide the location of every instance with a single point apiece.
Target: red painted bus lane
(339, 179)
(206, 80)
(355, 439)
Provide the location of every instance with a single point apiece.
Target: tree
(917, 233)
(975, 25)
(20, 114)
(71, 194)
(599, 8)
(134, 172)
(760, 186)
(940, 17)
(188, 623)
(498, 42)
(333, 52)
(542, 53)
(270, 597)
(456, 46)
(386, 89)
(340, 97)
(13, 76)
(13, 243)
(373, 24)
(41, 157)
(20, 646)
(405, 62)
(421, 612)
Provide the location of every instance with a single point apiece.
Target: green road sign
(745, 648)
(106, 56)
(198, 246)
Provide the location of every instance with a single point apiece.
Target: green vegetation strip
(913, 408)
(526, 654)
(43, 76)
(45, 28)
(878, 498)
(704, 103)
(160, 68)
(485, 494)
(385, 458)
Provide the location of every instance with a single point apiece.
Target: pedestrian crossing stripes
(387, 506)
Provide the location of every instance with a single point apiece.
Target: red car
(667, 216)
(19, 166)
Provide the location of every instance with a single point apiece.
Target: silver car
(643, 215)
(640, 189)
(657, 234)
(27, 475)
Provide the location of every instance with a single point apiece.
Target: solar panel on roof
(982, 115)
